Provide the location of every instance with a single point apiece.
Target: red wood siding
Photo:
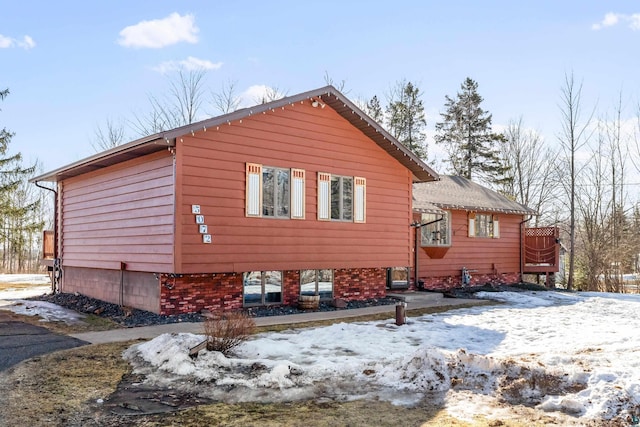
(123, 213)
(486, 256)
(211, 167)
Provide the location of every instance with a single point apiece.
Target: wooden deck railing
(47, 245)
(541, 249)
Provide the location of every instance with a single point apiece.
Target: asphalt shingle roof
(455, 192)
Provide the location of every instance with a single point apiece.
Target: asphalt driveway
(20, 341)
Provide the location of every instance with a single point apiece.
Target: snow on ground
(561, 353)
(13, 299)
(33, 279)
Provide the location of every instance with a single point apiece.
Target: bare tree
(179, 107)
(109, 136)
(593, 204)
(573, 137)
(270, 94)
(227, 100)
(531, 168)
(341, 85)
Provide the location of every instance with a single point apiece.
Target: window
(262, 287)
(317, 282)
(341, 198)
(398, 277)
(484, 225)
(274, 192)
(438, 230)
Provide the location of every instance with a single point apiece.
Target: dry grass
(54, 389)
(91, 323)
(305, 414)
(18, 286)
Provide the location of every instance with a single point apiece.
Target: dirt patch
(134, 397)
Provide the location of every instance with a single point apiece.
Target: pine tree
(465, 131)
(16, 222)
(374, 110)
(9, 166)
(405, 117)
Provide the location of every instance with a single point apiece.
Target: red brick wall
(192, 293)
(360, 283)
(195, 292)
(290, 287)
(450, 282)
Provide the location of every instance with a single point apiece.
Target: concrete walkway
(414, 300)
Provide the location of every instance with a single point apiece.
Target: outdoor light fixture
(315, 103)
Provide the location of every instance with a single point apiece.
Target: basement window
(262, 288)
(317, 282)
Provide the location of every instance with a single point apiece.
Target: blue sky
(70, 65)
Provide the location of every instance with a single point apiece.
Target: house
(300, 196)
(467, 234)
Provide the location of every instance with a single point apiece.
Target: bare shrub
(228, 330)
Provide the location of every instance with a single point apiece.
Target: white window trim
(359, 199)
(324, 196)
(254, 192)
(359, 208)
(448, 232)
(297, 193)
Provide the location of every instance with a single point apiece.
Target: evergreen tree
(465, 131)
(374, 110)
(406, 119)
(17, 224)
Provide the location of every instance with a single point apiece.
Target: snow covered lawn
(560, 353)
(14, 288)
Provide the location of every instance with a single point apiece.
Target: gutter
(418, 226)
(56, 265)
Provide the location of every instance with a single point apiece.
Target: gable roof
(327, 95)
(456, 192)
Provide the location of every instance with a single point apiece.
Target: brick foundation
(192, 293)
(196, 292)
(444, 283)
(360, 283)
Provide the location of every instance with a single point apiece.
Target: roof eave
(115, 155)
(328, 94)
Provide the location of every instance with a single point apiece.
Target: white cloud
(612, 19)
(257, 93)
(8, 42)
(27, 43)
(159, 33)
(191, 63)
